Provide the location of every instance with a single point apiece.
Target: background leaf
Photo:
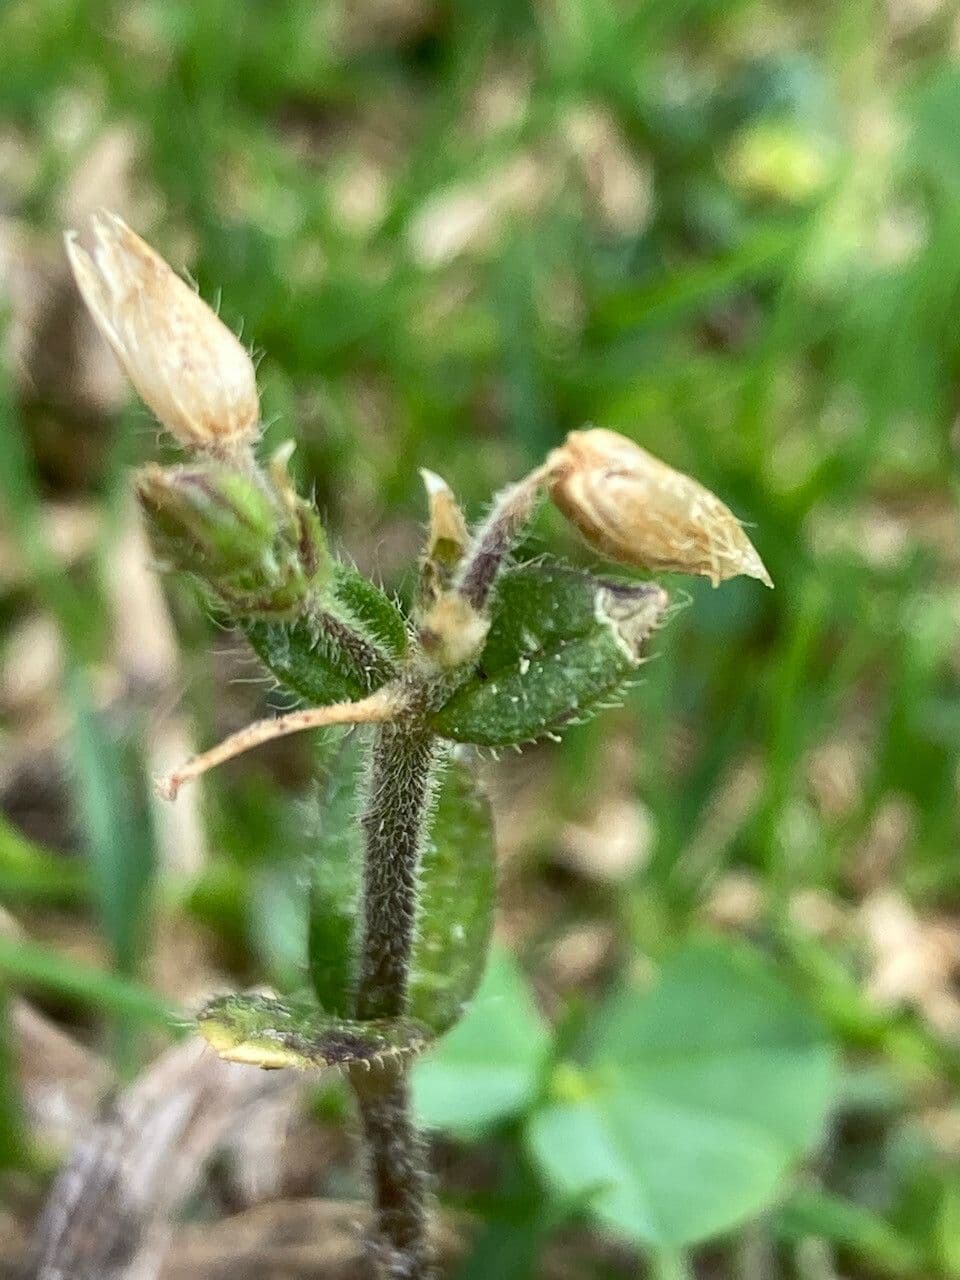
(489, 1066)
(33, 967)
(696, 1098)
(13, 1132)
(116, 827)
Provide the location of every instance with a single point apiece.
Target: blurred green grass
(457, 231)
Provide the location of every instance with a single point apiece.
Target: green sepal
(560, 643)
(341, 649)
(270, 1033)
(455, 909)
(335, 877)
(257, 554)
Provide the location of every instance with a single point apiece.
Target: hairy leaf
(343, 650)
(370, 610)
(336, 870)
(455, 911)
(271, 1033)
(455, 903)
(561, 641)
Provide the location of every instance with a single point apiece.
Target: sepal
(258, 556)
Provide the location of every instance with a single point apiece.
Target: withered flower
(632, 507)
(186, 365)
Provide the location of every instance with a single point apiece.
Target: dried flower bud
(447, 539)
(634, 508)
(184, 362)
(453, 632)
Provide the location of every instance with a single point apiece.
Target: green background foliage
(455, 232)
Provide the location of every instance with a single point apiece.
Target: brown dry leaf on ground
(612, 844)
(835, 770)
(578, 958)
(287, 1240)
(912, 960)
(724, 816)
(469, 217)
(62, 1082)
(620, 185)
(736, 902)
(108, 1215)
(71, 530)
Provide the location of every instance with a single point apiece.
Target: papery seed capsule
(186, 365)
(634, 508)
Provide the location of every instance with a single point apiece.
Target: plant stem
(495, 538)
(403, 756)
(398, 1174)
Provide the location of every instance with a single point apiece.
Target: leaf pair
(561, 643)
(454, 915)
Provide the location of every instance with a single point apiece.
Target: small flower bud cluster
(257, 554)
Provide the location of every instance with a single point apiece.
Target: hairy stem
(398, 1174)
(403, 757)
(399, 782)
(495, 538)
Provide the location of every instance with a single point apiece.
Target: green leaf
(336, 871)
(13, 1138)
(114, 824)
(560, 643)
(37, 967)
(340, 652)
(31, 872)
(278, 922)
(693, 1101)
(490, 1064)
(455, 907)
(455, 910)
(270, 1033)
(811, 1211)
(370, 610)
